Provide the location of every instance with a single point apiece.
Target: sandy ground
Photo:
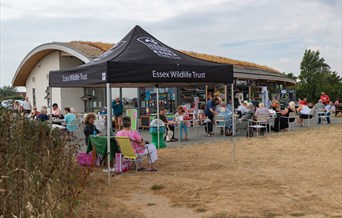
(288, 174)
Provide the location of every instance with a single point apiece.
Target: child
(180, 118)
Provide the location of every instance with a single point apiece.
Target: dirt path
(156, 206)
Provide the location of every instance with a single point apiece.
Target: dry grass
(292, 174)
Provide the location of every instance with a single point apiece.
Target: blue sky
(268, 32)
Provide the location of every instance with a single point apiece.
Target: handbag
(124, 166)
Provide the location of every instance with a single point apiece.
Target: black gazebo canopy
(140, 60)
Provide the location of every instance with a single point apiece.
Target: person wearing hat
(117, 107)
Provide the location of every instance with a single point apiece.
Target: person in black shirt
(90, 128)
(168, 124)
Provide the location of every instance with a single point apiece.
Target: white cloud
(267, 32)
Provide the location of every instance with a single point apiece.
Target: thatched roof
(106, 46)
(86, 50)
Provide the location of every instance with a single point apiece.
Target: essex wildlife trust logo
(158, 48)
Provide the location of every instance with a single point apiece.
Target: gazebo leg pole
(109, 112)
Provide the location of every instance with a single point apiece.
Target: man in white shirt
(242, 109)
(330, 108)
(27, 106)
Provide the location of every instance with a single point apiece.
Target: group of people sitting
(282, 116)
(140, 146)
(204, 116)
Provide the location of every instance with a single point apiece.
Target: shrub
(39, 174)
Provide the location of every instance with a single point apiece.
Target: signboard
(133, 114)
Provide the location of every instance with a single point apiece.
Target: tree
(316, 77)
(9, 92)
(290, 75)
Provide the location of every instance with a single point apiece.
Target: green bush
(39, 174)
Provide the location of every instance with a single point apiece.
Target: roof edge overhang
(244, 73)
(35, 55)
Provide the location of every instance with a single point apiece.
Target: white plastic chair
(292, 116)
(310, 118)
(220, 123)
(262, 122)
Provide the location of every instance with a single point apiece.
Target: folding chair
(220, 123)
(321, 116)
(262, 122)
(127, 151)
(311, 116)
(292, 116)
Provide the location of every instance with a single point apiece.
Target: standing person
(68, 118)
(90, 128)
(180, 118)
(239, 97)
(56, 112)
(27, 106)
(139, 145)
(218, 95)
(117, 107)
(325, 98)
(169, 125)
(210, 113)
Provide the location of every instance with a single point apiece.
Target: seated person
(56, 112)
(242, 109)
(330, 108)
(34, 113)
(43, 114)
(243, 121)
(320, 109)
(168, 124)
(90, 128)
(139, 145)
(304, 113)
(282, 122)
(227, 115)
(262, 111)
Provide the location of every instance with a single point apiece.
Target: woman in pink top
(139, 145)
